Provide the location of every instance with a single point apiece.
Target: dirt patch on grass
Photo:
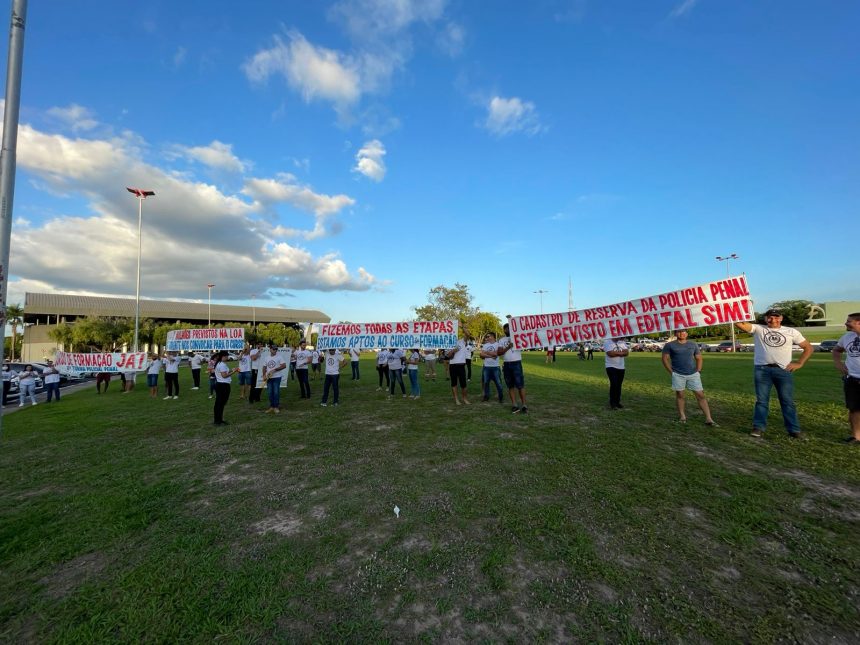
(72, 574)
(280, 523)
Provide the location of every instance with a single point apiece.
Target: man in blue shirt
(683, 360)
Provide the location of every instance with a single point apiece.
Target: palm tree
(14, 317)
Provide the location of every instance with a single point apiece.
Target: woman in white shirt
(7, 382)
(223, 378)
(171, 375)
(27, 385)
(152, 375)
(412, 367)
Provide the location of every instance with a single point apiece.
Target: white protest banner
(399, 335)
(715, 303)
(70, 364)
(206, 340)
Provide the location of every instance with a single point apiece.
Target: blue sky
(348, 156)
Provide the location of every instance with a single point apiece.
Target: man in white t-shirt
(395, 371)
(171, 375)
(774, 368)
(256, 355)
(303, 357)
(512, 370)
(490, 372)
(245, 380)
(849, 344)
(457, 370)
(616, 349)
(382, 368)
(315, 363)
(273, 367)
(334, 360)
(354, 357)
(51, 379)
(195, 361)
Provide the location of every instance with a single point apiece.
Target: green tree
(100, 333)
(444, 303)
(62, 335)
(14, 317)
(294, 336)
(481, 322)
(794, 312)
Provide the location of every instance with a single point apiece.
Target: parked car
(16, 368)
(827, 345)
(726, 346)
(704, 347)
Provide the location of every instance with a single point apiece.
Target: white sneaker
(167, 397)
(21, 405)
(325, 405)
(34, 403)
(210, 396)
(176, 397)
(195, 388)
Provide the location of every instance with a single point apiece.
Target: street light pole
(541, 292)
(254, 311)
(141, 195)
(727, 259)
(209, 286)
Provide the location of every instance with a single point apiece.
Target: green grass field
(129, 519)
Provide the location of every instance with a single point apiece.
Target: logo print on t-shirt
(773, 339)
(854, 347)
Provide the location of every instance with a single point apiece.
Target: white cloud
(314, 72)
(683, 8)
(179, 56)
(451, 39)
(185, 227)
(216, 155)
(509, 115)
(75, 117)
(370, 162)
(375, 19)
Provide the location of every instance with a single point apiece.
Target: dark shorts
(852, 393)
(513, 373)
(152, 380)
(244, 378)
(457, 372)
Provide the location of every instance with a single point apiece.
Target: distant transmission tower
(569, 294)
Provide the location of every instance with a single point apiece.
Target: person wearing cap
(850, 369)
(51, 376)
(303, 357)
(683, 360)
(774, 368)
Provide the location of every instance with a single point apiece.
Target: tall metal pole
(254, 310)
(727, 259)
(8, 154)
(541, 292)
(137, 292)
(209, 325)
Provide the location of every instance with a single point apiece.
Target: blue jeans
(765, 378)
(491, 374)
(53, 390)
(396, 377)
(25, 391)
(414, 387)
(273, 388)
(355, 375)
(331, 381)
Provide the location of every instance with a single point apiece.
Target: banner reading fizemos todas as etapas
(398, 335)
(206, 340)
(715, 303)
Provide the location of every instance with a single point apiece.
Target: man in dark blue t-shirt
(683, 360)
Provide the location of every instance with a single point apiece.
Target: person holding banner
(774, 369)
(395, 371)
(51, 375)
(223, 379)
(616, 349)
(457, 370)
(171, 375)
(245, 372)
(683, 360)
(490, 372)
(273, 369)
(382, 368)
(412, 367)
(27, 385)
(256, 355)
(354, 356)
(195, 360)
(303, 356)
(850, 370)
(152, 373)
(430, 361)
(512, 369)
(333, 362)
